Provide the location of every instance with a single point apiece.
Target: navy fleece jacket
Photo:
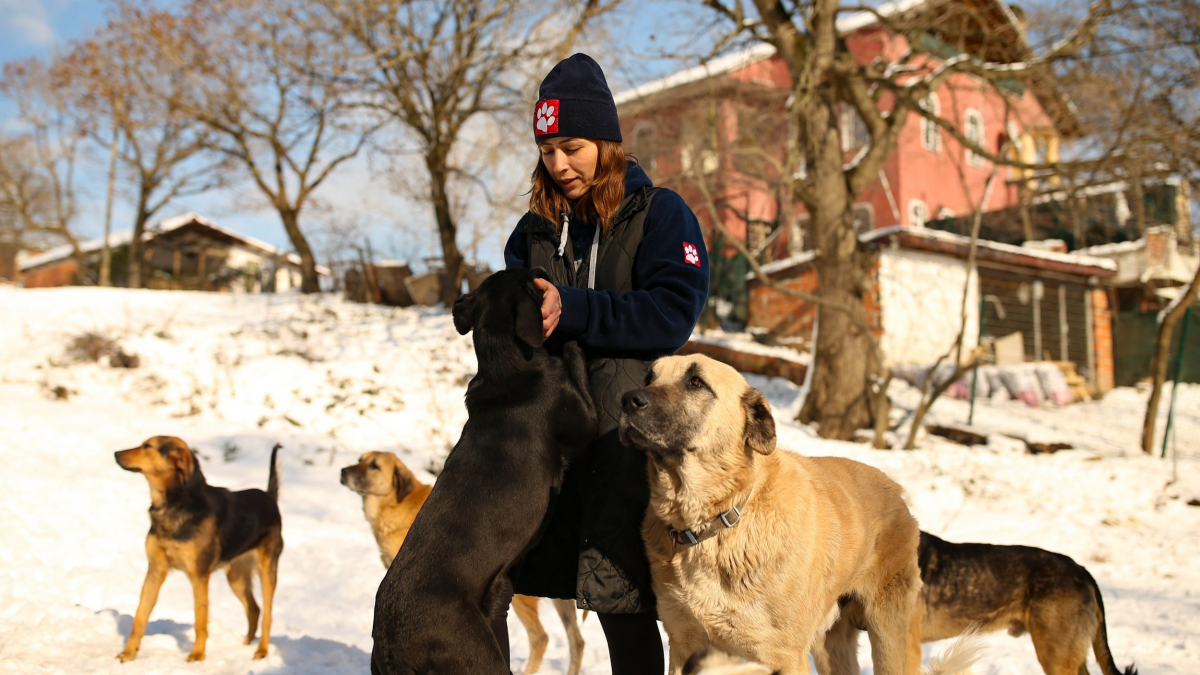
(668, 293)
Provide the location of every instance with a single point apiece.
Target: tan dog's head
(379, 474)
(166, 462)
(695, 406)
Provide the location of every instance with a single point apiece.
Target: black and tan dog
(530, 412)
(987, 587)
(198, 528)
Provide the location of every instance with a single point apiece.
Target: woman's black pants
(634, 644)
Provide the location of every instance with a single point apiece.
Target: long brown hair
(599, 205)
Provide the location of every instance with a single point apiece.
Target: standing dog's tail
(1100, 640)
(273, 479)
(959, 657)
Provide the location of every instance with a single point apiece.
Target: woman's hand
(551, 306)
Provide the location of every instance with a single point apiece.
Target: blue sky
(39, 27)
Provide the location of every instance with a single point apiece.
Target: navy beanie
(574, 101)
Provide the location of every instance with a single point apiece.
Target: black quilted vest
(598, 518)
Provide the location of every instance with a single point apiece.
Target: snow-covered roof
(784, 263)
(958, 239)
(915, 237)
(161, 227)
(1106, 250)
(759, 52)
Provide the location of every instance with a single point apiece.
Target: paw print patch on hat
(546, 117)
(690, 254)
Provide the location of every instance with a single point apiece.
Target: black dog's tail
(1100, 641)
(273, 480)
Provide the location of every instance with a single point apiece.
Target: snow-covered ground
(234, 374)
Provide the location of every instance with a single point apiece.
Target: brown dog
(200, 529)
(392, 496)
(753, 551)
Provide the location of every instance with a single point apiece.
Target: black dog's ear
(463, 312)
(760, 423)
(540, 273)
(528, 320)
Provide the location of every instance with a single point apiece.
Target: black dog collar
(724, 521)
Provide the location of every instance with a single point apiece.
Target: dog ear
(184, 462)
(540, 273)
(760, 423)
(463, 312)
(528, 319)
(403, 481)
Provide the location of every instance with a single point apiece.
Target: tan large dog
(752, 551)
(392, 495)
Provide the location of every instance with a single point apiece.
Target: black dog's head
(505, 305)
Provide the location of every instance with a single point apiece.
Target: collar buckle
(725, 517)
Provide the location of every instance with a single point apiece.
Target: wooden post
(1063, 329)
(1037, 291)
(1088, 306)
(177, 265)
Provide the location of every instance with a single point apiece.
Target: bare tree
(1161, 49)
(883, 93)
(259, 80)
(37, 166)
(136, 102)
(435, 66)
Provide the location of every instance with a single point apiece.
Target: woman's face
(571, 162)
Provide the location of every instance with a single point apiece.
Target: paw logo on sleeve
(547, 114)
(690, 254)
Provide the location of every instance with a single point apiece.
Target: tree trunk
(309, 282)
(136, 274)
(1162, 358)
(840, 398)
(106, 251)
(452, 260)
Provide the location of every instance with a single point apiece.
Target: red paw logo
(690, 254)
(546, 117)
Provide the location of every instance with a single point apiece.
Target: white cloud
(27, 22)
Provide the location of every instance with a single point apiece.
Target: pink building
(717, 116)
(718, 134)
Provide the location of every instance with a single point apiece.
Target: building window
(708, 162)
(931, 134)
(918, 213)
(645, 144)
(945, 213)
(854, 130)
(797, 234)
(973, 130)
(863, 216)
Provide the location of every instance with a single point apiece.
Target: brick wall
(783, 314)
(62, 274)
(789, 316)
(1102, 335)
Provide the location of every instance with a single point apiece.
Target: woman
(630, 278)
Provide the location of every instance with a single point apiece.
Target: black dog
(530, 412)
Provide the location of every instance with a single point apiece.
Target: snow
(745, 342)
(233, 374)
